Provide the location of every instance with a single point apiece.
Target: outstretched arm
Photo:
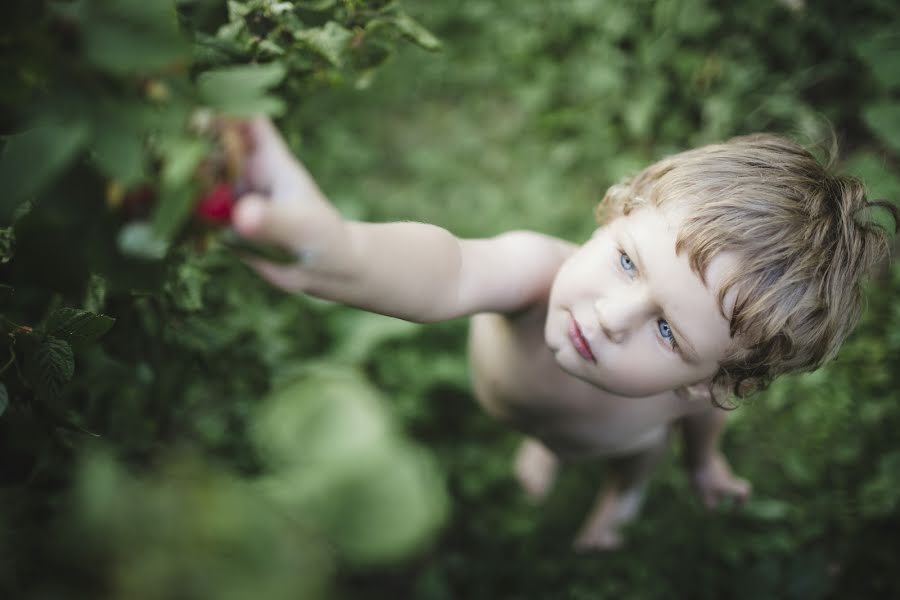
(413, 271)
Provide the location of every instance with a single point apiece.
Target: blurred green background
(528, 114)
(252, 443)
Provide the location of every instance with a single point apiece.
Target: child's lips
(580, 342)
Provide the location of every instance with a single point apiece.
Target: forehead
(648, 235)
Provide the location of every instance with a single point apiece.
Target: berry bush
(172, 427)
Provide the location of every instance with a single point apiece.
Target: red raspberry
(217, 205)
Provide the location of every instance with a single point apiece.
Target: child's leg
(535, 468)
(619, 502)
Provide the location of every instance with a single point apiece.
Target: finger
(263, 133)
(249, 215)
(256, 218)
(272, 169)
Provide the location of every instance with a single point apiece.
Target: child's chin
(570, 362)
(623, 389)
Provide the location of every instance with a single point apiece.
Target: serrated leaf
(186, 286)
(330, 41)
(76, 325)
(883, 119)
(237, 10)
(415, 32)
(241, 90)
(31, 161)
(4, 399)
(49, 367)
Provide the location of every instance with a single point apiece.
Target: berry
(217, 205)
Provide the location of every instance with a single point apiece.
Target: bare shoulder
(509, 272)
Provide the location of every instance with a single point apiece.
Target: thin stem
(12, 358)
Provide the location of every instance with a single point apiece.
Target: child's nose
(619, 315)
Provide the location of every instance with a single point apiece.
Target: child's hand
(714, 482)
(284, 207)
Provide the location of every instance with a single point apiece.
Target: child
(716, 270)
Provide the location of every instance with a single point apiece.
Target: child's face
(630, 316)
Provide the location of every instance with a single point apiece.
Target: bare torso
(516, 379)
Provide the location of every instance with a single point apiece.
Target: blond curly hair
(805, 240)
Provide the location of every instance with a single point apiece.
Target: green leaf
(315, 4)
(119, 151)
(880, 180)
(182, 155)
(4, 399)
(767, 509)
(76, 325)
(173, 210)
(186, 286)
(883, 119)
(140, 240)
(49, 367)
(243, 79)
(7, 244)
(414, 32)
(131, 35)
(238, 10)
(330, 41)
(881, 53)
(31, 161)
(176, 198)
(333, 453)
(241, 90)
(330, 415)
(95, 293)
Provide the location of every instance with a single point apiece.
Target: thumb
(257, 218)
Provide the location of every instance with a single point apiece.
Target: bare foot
(603, 529)
(714, 483)
(535, 467)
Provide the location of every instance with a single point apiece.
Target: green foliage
(204, 533)
(536, 109)
(172, 427)
(333, 453)
(137, 354)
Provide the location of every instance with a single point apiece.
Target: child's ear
(597, 232)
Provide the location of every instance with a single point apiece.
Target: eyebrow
(691, 354)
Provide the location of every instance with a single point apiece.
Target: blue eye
(664, 328)
(626, 262)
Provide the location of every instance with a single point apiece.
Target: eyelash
(630, 271)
